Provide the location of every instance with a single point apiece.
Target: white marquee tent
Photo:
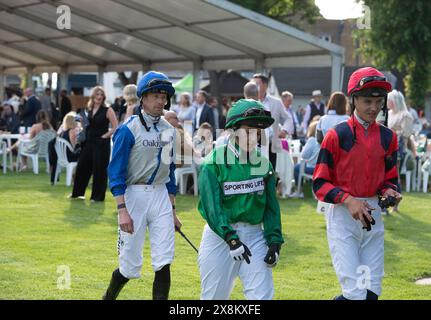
(120, 35)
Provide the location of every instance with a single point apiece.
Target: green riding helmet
(248, 112)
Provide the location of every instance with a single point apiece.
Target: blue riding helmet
(153, 82)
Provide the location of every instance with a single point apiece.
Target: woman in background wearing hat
(356, 164)
(237, 198)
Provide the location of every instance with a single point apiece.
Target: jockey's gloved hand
(239, 251)
(272, 255)
(368, 222)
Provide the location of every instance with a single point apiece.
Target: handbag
(82, 135)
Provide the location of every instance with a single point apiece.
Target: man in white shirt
(291, 125)
(275, 106)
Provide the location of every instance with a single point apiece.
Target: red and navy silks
(363, 167)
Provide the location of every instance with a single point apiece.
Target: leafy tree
(400, 38)
(291, 12)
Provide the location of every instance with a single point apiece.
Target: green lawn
(41, 230)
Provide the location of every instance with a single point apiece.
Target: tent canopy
(185, 84)
(167, 34)
(120, 35)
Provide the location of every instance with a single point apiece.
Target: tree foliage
(287, 11)
(400, 38)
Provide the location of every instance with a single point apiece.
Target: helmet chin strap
(153, 119)
(146, 117)
(384, 109)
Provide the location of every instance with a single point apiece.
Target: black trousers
(93, 161)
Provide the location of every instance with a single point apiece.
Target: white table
(8, 137)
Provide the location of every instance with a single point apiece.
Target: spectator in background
(116, 106)
(40, 133)
(204, 112)
(417, 126)
(15, 102)
(213, 103)
(65, 104)
(29, 108)
(309, 153)
(400, 120)
(314, 108)
(45, 101)
(68, 131)
(131, 101)
(225, 109)
(300, 114)
(337, 107)
(9, 121)
(94, 157)
(203, 141)
(184, 145)
(275, 106)
(424, 121)
(426, 127)
(185, 111)
(251, 91)
(292, 123)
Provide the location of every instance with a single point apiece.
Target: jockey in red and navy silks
(362, 169)
(356, 165)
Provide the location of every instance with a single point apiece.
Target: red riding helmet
(368, 82)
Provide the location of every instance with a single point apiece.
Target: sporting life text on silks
(244, 187)
(250, 141)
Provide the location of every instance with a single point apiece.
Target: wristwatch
(121, 206)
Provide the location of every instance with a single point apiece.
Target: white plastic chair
(404, 171)
(181, 177)
(3, 152)
(43, 139)
(302, 175)
(61, 147)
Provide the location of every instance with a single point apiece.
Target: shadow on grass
(81, 214)
(406, 227)
(292, 250)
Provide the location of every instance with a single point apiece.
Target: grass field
(42, 230)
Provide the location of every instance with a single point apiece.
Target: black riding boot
(162, 284)
(117, 283)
